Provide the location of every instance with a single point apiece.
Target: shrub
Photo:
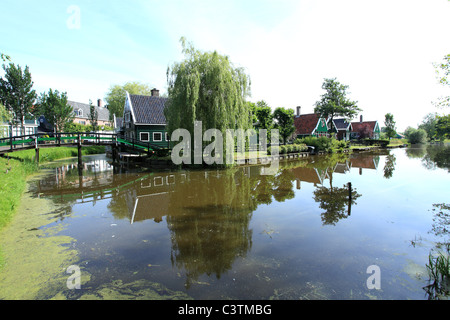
(292, 148)
(417, 136)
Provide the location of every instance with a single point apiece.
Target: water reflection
(208, 213)
(389, 166)
(438, 267)
(432, 156)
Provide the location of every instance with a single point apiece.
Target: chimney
(298, 110)
(155, 92)
(99, 103)
(360, 118)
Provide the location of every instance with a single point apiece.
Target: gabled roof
(341, 124)
(306, 123)
(148, 109)
(103, 113)
(364, 126)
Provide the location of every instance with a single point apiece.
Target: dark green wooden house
(144, 120)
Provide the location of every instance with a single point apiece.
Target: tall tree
(54, 107)
(16, 92)
(443, 127)
(429, 124)
(5, 117)
(115, 98)
(284, 122)
(206, 87)
(93, 116)
(443, 73)
(264, 115)
(390, 125)
(334, 102)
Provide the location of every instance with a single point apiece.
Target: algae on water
(35, 258)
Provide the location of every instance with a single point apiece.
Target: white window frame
(167, 136)
(148, 136)
(160, 133)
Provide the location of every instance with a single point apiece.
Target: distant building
(30, 126)
(311, 124)
(365, 129)
(82, 111)
(343, 128)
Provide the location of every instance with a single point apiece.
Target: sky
(383, 50)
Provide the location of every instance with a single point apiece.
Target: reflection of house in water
(342, 167)
(311, 175)
(66, 177)
(150, 198)
(365, 162)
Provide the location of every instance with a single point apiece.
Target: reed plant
(438, 267)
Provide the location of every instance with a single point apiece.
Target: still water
(235, 233)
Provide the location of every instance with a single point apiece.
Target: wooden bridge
(75, 139)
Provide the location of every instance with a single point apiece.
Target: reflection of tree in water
(389, 166)
(437, 157)
(433, 156)
(209, 222)
(334, 201)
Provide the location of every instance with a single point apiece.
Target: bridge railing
(138, 144)
(65, 138)
(59, 138)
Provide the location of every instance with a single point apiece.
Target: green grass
(397, 142)
(14, 173)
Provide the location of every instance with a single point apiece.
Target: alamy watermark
(374, 280)
(74, 20)
(222, 148)
(74, 281)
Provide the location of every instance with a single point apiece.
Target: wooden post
(349, 198)
(80, 160)
(37, 149)
(10, 138)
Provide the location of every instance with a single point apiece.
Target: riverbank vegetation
(15, 168)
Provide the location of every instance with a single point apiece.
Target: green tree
(93, 116)
(54, 107)
(4, 57)
(206, 87)
(443, 127)
(390, 125)
(334, 102)
(284, 119)
(443, 72)
(115, 97)
(264, 115)
(417, 136)
(408, 131)
(16, 92)
(5, 117)
(429, 124)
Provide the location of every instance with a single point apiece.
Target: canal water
(359, 226)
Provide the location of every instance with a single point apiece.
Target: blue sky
(383, 50)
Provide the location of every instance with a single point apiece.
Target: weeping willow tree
(207, 87)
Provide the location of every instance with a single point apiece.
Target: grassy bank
(15, 170)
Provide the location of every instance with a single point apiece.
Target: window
(167, 137)
(127, 117)
(78, 112)
(157, 136)
(144, 136)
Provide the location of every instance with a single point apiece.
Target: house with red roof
(365, 129)
(311, 124)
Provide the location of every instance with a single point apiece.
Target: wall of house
(322, 129)
(150, 130)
